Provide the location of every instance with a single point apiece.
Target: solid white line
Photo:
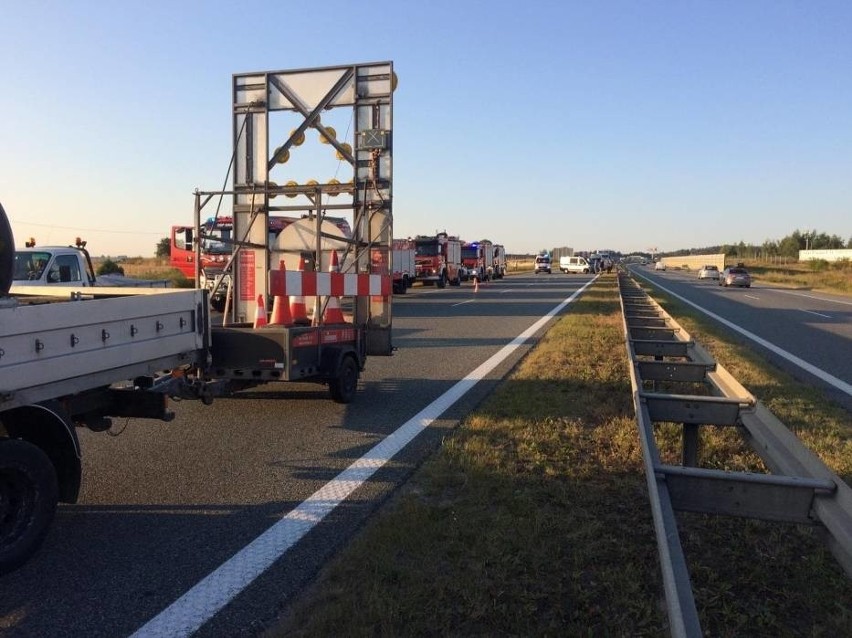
(811, 312)
(198, 605)
(752, 297)
(461, 303)
(817, 372)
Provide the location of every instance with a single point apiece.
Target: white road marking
(840, 384)
(461, 303)
(198, 605)
(811, 312)
(752, 297)
(801, 294)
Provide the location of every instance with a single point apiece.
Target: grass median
(533, 519)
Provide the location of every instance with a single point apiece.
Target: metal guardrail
(801, 489)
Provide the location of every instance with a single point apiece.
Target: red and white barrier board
(311, 284)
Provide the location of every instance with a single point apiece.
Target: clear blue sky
(605, 124)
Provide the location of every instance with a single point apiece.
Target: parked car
(542, 264)
(573, 264)
(708, 272)
(735, 276)
(659, 266)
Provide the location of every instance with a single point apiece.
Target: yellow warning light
(270, 188)
(347, 147)
(299, 140)
(283, 158)
(334, 191)
(330, 130)
(291, 183)
(394, 81)
(312, 182)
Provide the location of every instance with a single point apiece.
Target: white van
(573, 264)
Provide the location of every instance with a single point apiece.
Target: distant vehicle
(735, 276)
(659, 266)
(542, 264)
(595, 262)
(56, 266)
(573, 265)
(708, 272)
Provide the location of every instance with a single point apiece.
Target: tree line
(789, 246)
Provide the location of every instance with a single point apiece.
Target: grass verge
(532, 519)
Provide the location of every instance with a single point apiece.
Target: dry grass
(533, 519)
(821, 276)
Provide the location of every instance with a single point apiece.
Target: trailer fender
(47, 426)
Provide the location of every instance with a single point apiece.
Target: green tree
(163, 247)
(789, 246)
(109, 267)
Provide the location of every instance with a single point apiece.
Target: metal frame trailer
(263, 176)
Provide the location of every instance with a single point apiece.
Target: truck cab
(438, 259)
(53, 266)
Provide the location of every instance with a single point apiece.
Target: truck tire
(344, 386)
(442, 280)
(218, 304)
(28, 497)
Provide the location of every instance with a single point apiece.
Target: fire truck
(214, 247)
(480, 260)
(471, 261)
(438, 259)
(403, 265)
(499, 261)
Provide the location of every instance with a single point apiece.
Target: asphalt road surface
(209, 524)
(809, 334)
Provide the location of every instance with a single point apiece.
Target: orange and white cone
(280, 307)
(298, 309)
(333, 312)
(260, 316)
(476, 284)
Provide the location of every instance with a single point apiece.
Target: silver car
(708, 272)
(735, 276)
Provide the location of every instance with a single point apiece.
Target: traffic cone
(280, 306)
(333, 313)
(476, 284)
(298, 310)
(260, 316)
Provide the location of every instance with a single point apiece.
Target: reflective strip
(311, 284)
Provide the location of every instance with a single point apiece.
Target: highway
(809, 334)
(201, 526)
(209, 524)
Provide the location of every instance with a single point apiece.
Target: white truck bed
(49, 350)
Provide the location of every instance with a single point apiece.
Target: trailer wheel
(28, 497)
(218, 304)
(345, 384)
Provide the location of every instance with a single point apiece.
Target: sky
(626, 125)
